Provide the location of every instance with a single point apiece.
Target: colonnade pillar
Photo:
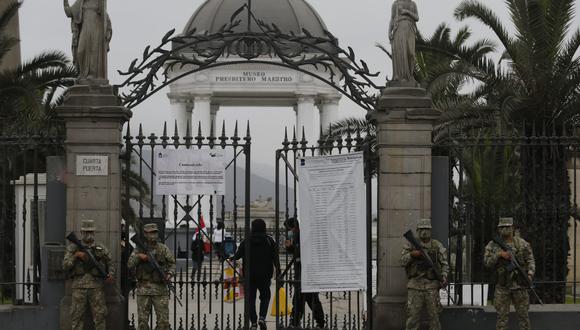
(201, 113)
(214, 108)
(182, 113)
(305, 119)
(328, 110)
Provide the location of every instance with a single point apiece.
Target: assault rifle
(515, 265)
(155, 266)
(72, 237)
(427, 259)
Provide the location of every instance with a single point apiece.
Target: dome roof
(288, 15)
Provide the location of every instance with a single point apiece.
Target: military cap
(150, 227)
(505, 222)
(88, 225)
(424, 224)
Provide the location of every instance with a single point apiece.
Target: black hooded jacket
(263, 257)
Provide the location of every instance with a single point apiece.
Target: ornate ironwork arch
(201, 51)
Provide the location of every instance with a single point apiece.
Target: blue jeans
(265, 295)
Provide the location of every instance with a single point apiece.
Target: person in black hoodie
(263, 260)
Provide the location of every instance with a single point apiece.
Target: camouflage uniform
(151, 290)
(423, 286)
(510, 288)
(87, 283)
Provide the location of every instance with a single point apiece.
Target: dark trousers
(299, 300)
(218, 248)
(196, 269)
(265, 294)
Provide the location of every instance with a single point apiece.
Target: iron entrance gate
(212, 299)
(342, 310)
(200, 302)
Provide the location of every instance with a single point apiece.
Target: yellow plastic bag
(285, 307)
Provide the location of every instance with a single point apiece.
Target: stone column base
(389, 313)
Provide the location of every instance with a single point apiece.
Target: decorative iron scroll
(199, 51)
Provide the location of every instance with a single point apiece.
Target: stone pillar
(94, 118)
(305, 119)
(201, 113)
(328, 110)
(404, 120)
(182, 114)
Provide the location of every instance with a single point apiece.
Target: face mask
(290, 235)
(88, 237)
(424, 234)
(151, 237)
(505, 231)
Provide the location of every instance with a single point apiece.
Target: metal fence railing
(534, 179)
(22, 210)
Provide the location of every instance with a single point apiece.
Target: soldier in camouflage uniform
(87, 283)
(423, 286)
(510, 287)
(151, 289)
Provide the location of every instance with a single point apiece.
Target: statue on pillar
(402, 34)
(91, 29)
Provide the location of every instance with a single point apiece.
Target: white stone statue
(402, 34)
(91, 29)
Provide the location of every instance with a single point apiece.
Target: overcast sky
(138, 23)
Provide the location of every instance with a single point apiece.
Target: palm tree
(28, 96)
(536, 86)
(437, 57)
(535, 89)
(30, 92)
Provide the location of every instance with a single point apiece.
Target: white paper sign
(332, 211)
(92, 165)
(190, 172)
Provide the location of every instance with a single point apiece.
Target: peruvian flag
(206, 242)
(201, 224)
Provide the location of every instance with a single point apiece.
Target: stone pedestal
(94, 118)
(404, 120)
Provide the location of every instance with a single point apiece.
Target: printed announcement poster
(190, 172)
(332, 211)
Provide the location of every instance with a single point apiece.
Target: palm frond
(473, 9)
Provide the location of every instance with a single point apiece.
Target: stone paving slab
(208, 312)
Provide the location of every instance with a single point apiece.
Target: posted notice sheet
(190, 172)
(332, 214)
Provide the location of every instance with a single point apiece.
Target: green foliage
(537, 80)
(133, 188)
(538, 76)
(535, 84)
(30, 92)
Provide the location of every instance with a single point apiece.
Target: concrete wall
(561, 317)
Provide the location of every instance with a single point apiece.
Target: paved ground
(207, 306)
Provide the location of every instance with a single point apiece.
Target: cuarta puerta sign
(95, 165)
